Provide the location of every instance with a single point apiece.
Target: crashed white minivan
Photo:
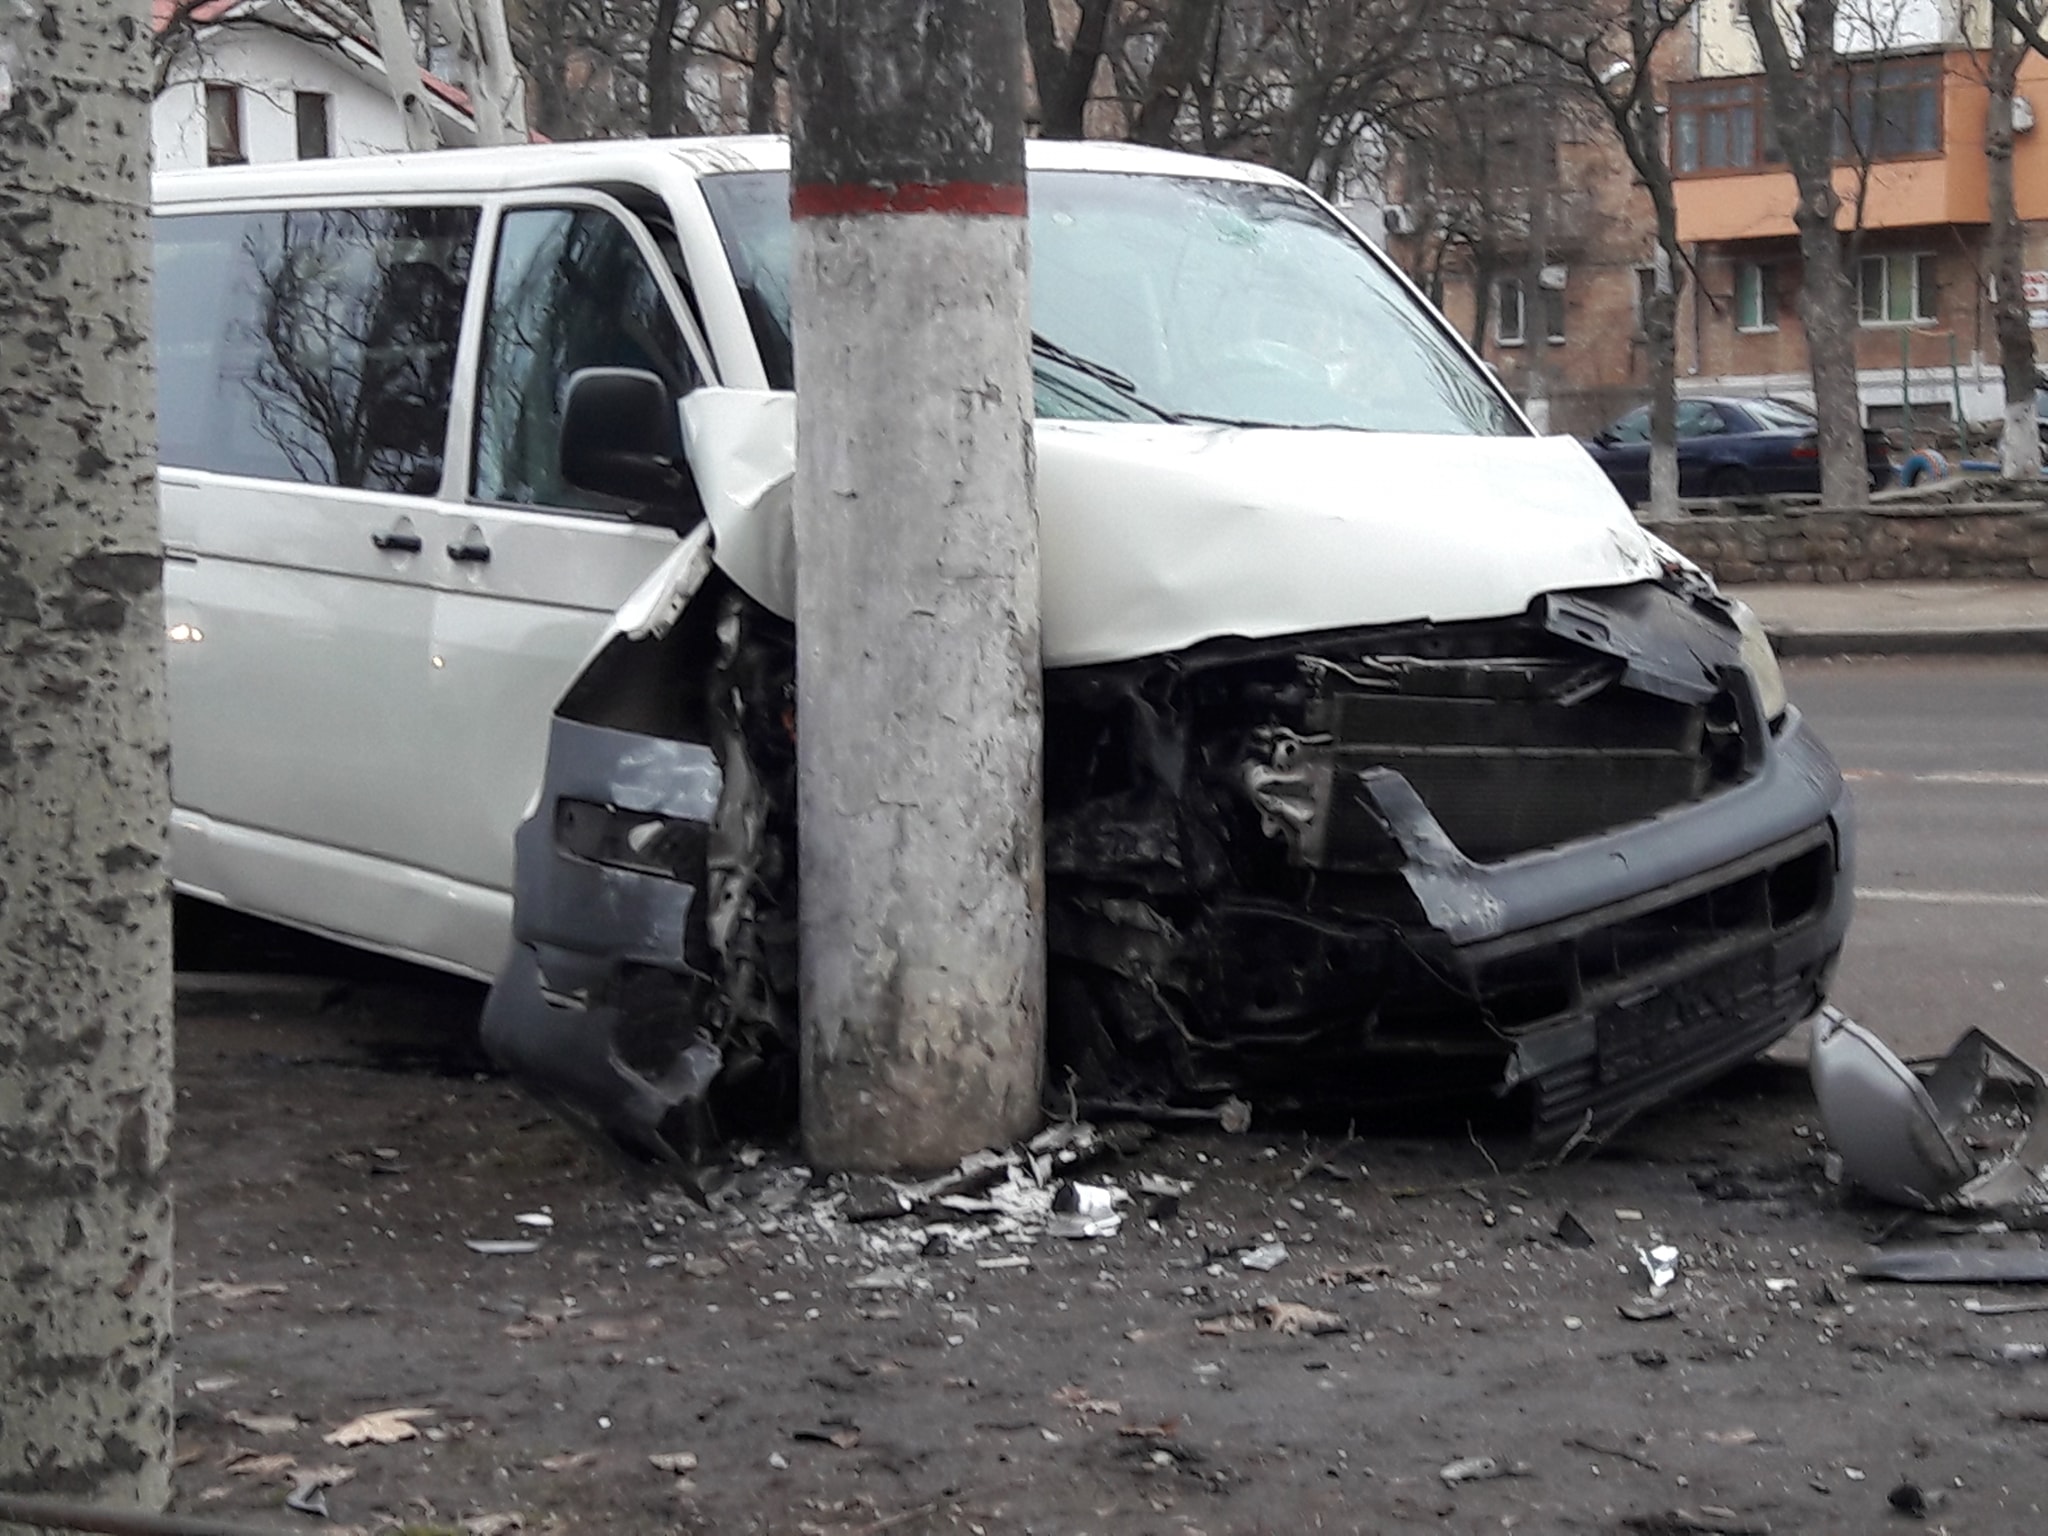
(1387, 759)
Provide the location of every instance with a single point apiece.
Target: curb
(253, 989)
(2024, 641)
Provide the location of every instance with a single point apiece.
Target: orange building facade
(1916, 201)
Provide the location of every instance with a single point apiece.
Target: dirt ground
(339, 1147)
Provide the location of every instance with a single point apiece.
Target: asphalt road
(1948, 758)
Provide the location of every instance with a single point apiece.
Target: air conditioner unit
(1400, 219)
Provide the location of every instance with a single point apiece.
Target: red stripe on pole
(822, 200)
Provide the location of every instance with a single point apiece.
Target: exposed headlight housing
(1762, 662)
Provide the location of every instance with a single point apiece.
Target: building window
(1894, 110)
(1719, 125)
(1508, 322)
(1756, 296)
(1897, 289)
(1888, 109)
(312, 111)
(224, 125)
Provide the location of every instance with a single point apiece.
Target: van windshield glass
(1181, 298)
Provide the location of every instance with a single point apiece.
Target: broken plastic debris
(1572, 1232)
(1085, 1211)
(1479, 1469)
(501, 1245)
(1267, 1256)
(539, 1221)
(1958, 1266)
(1661, 1265)
(1901, 1137)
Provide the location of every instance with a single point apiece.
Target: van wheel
(1731, 480)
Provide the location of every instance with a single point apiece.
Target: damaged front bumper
(1562, 862)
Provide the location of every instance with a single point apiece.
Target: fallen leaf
(214, 1494)
(845, 1436)
(214, 1383)
(1292, 1317)
(677, 1462)
(609, 1332)
(264, 1466)
(568, 1461)
(532, 1328)
(1227, 1322)
(230, 1292)
(704, 1269)
(189, 1456)
(493, 1525)
(329, 1476)
(1164, 1430)
(1079, 1399)
(1732, 1436)
(265, 1423)
(387, 1426)
(1350, 1274)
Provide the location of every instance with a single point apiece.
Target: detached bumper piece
(1562, 859)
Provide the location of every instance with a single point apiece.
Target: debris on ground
(501, 1246)
(1907, 1138)
(386, 1426)
(1264, 1258)
(1572, 1232)
(1957, 1266)
(1480, 1469)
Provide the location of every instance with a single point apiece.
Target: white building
(265, 80)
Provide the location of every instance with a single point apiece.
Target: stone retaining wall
(1976, 543)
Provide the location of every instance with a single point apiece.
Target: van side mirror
(620, 439)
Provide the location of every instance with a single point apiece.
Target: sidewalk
(1957, 618)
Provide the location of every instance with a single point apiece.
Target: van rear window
(313, 345)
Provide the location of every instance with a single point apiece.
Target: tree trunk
(497, 94)
(918, 688)
(2020, 454)
(402, 74)
(1660, 327)
(1065, 76)
(761, 77)
(1802, 92)
(668, 108)
(1189, 25)
(85, 964)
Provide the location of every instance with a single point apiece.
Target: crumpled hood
(1153, 538)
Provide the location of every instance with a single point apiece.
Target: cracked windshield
(1167, 298)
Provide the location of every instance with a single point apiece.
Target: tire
(1731, 480)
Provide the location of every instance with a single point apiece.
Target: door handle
(474, 550)
(397, 543)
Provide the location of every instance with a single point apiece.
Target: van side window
(570, 290)
(316, 346)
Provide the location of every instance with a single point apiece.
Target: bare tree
(1803, 83)
(397, 50)
(85, 965)
(485, 67)
(1064, 69)
(2020, 453)
(1610, 48)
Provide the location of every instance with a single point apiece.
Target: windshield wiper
(1102, 373)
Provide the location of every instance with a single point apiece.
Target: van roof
(523, 166)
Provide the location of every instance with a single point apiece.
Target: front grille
(1654, 1046)
(1514, 754)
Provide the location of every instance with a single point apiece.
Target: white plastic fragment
(1267, 1256)
(501, 1245)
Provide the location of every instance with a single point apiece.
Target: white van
(1386, 756)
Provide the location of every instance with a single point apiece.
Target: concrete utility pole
(918, 690)
(85, 955)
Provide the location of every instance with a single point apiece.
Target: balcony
(1917, 119)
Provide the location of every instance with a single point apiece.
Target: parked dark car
(1730, 447)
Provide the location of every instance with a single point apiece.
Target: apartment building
(1913, 180)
